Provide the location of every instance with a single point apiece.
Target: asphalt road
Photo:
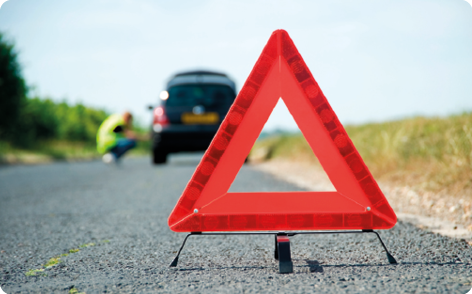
(121, 213)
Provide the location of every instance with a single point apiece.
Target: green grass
(87, 245)
(34, 272)
(52, 150)
(47, 151)
(434, 154)
(56, 260)
(74, 290)
(52, 261)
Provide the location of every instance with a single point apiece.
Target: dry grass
(428, 154)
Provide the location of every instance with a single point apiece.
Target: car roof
(201, 77)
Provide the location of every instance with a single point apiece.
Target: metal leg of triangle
(390, 258)
(283, 254)
(276, 251)
(176, 259)
(282, 245)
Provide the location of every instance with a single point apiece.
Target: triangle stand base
(282, 245)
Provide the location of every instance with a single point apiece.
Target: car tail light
(160, 118)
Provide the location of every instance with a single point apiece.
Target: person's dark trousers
(122, 146)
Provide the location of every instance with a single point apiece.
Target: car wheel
(159, 156)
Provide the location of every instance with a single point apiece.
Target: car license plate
(208, 118)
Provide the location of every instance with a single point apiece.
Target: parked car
(191, 109)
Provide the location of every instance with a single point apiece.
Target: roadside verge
(440, 214)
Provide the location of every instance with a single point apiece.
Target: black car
(191, 111)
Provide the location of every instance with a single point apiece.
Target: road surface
(116, 217)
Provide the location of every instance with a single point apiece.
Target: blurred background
(403, 66)
(375, 61)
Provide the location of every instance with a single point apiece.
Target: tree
(12, 88)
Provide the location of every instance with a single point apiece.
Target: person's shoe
(108, 158)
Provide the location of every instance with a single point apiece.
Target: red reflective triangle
(206, 205)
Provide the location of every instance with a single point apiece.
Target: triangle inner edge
(341, 174)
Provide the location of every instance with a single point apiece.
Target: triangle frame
(281, 73)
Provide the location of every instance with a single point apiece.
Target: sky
(374, 60)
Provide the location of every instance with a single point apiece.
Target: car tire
(159, 156)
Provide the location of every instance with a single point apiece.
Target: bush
(45, 120)
(12, 89)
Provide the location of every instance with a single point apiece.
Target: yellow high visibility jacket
(106, 137)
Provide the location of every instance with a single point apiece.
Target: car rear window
(205, 95)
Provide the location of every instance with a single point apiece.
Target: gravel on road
(107, 227)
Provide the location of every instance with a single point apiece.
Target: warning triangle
(281, 73)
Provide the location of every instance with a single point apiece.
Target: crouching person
(115, 137)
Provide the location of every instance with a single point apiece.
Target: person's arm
(130, 134)
(125, 131)
(139, 137)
